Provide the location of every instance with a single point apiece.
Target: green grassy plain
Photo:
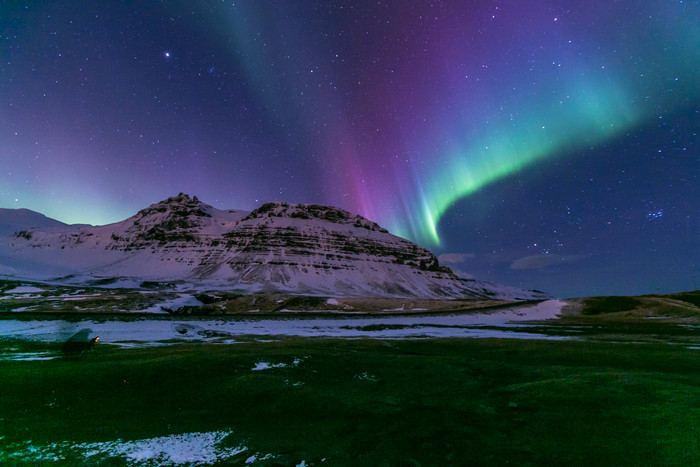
(372, 402)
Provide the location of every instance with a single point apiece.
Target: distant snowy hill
(16, 220)
(279, 247)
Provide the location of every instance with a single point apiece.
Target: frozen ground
(180, 449)
(506, 322)
(24, 290)
(181, 301)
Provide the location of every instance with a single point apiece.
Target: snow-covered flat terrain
(506, 322)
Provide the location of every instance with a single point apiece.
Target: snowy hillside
(17, 220)
(279, 247)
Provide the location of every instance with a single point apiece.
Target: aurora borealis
(547, 144)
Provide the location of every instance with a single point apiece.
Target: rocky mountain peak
(313, 211)
(174, 219)
(181, 205)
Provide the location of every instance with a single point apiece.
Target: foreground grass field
(367, 402)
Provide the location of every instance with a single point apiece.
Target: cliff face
(294, 247)
(297, 248)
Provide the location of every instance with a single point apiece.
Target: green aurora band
(595, 110)
(586, 117)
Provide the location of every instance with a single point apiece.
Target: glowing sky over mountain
(549, 145)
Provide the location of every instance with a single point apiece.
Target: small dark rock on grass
(80, 344)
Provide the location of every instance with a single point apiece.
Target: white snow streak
(178, 449)
(24, 289)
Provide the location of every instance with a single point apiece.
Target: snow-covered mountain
(279, 247)
(16, 220)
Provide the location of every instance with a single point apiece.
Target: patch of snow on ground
(180, 449)
(332, 301)
(174, 304)
(19, 296)
(549, 309)
(364, 376)
(27, 356)
(25, 289)
(69, 298)
(255, 458)
(266, 366)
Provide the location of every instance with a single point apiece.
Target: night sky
(543, 144)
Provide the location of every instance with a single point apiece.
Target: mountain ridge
(10, 218)
(278, 247)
